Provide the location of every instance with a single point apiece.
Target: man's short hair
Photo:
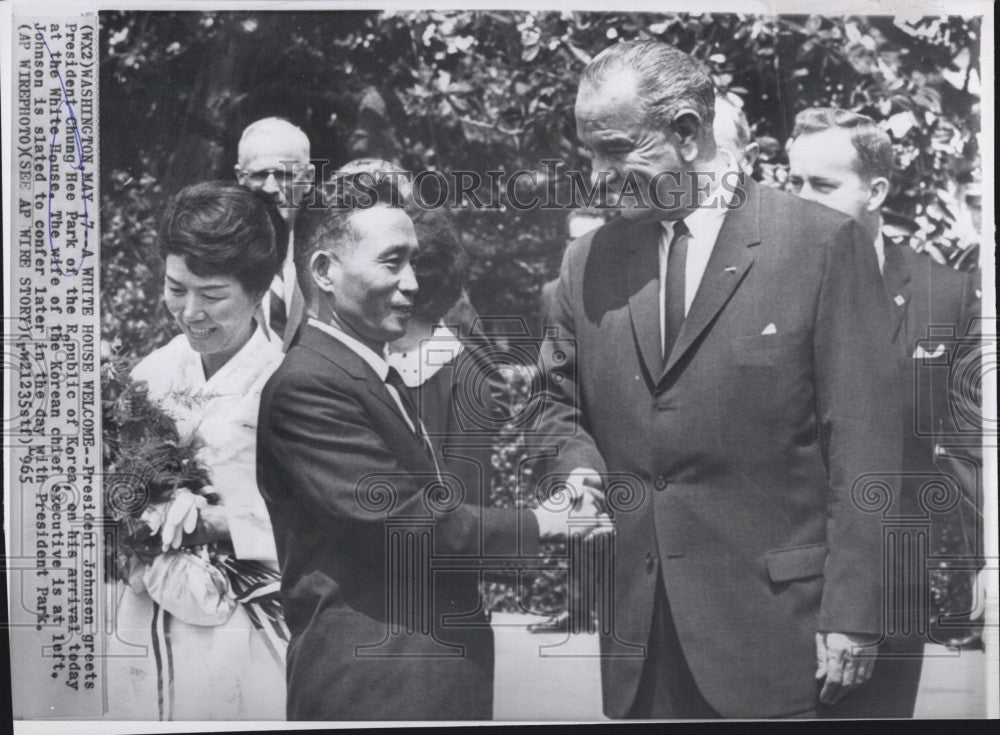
(329, 227)
(668, 80)
(872, 143)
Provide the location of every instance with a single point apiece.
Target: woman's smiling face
(214, 312)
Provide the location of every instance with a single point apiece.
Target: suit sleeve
(958, 451)
(859, 415)
(468, 445)
(329, 446)
(563, 422)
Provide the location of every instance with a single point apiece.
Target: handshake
(576, 506)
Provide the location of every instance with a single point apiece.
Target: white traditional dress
(163, 668)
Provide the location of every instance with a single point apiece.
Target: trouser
(667, 689)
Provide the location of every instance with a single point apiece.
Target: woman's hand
(181, 517)
(187, 520)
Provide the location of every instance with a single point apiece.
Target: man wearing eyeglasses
(273, 158)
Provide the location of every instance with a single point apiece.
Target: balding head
(276, 134)
(273, 157)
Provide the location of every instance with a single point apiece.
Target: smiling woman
(221, 244)
(219, 654)
(215, 313)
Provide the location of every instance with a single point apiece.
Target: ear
(687, 125)
(239, 173)
(878, 190)
(305, 172)
(322, 265)
(258, 298)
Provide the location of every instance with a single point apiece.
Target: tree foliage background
(487, 91)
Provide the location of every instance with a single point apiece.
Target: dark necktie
(394, 379)
(673, 298)
(278, 312)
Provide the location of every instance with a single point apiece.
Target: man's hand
(846, 660)
(579, 500)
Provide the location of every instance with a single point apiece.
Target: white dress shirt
(703, 225)
(880, 251)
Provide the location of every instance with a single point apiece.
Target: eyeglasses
(283, 175)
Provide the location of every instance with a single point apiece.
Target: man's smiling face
(372, 278)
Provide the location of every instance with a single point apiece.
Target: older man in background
(273, 158)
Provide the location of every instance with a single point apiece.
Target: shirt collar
(376, 361)
(417, 366)
(708, 217)
(880, 251)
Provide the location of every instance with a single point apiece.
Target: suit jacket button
(650, 562)
(660, 483)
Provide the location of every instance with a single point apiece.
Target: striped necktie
(278, 310)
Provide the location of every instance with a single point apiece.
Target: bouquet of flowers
(144, 464)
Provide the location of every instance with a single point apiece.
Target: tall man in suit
(273, 158)
(844, 160)
(717, 343)
(359, 500)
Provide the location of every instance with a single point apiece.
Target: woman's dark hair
(222, 229)
(439, 263)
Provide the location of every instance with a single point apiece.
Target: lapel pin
(899, 299)
(730, 269)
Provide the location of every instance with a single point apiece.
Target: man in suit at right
(844, 160)
(717, 350)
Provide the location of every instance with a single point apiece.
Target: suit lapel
(896, 278)
(644, 299)
(340, 354)
(729, 262)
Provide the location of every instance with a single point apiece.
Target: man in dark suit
(844, 160)
(361, 506)
(717, 343)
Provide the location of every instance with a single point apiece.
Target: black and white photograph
(386, 363)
